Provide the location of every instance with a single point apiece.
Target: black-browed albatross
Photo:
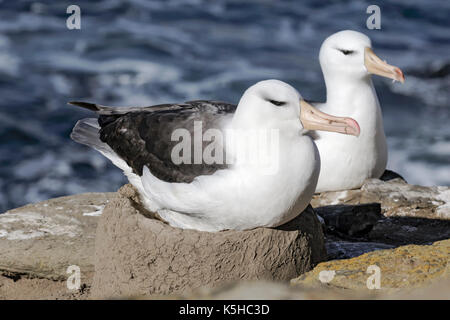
(347, 62)
(212, 197)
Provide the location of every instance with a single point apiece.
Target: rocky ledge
(406, 267)
(390, 224)
(382, 215)
(38, 242)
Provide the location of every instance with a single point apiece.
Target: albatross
(347, 61)
(216, 196)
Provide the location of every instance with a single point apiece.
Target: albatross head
(349, 53)
(275, 104)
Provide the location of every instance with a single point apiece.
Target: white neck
(346, 88)
(355, 97)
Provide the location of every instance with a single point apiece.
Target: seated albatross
(217, 196)
(347, 62)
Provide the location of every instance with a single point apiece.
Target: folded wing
(142, 136)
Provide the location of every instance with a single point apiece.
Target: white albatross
(347, 62)
(218, 196)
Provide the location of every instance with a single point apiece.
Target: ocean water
(147, 52)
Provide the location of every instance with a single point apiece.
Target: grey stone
(42, 240)
(351, 219)
(339, 249)
(409, 215)
(268, 290)
(391, 175)
(397, 199)
(405, 267)
(403, 230)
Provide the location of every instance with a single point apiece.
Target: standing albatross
(347, 62)
(215, 196)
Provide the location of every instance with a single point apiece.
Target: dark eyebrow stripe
(277, 103)
(345, 51)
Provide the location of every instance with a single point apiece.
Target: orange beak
(377, 66)
(313, 119)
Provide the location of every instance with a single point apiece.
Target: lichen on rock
(410, 266)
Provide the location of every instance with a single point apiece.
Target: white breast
(346, 161)
(241, 198)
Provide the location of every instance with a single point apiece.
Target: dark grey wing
(106, 110)
(143, 136)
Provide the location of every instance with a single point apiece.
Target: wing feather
(141, 136)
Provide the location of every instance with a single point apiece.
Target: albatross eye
(277, 103)
(346, 52)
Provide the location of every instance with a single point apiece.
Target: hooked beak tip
(399, 75)
(313, 119)
(375, 65)
(353, 127)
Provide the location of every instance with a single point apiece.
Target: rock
(39, 289)
(401, 231)
(397, 199)
(138, 255)
(382, 234)
(391, 175)
(351, 230)
(269, 290)
(263, 290)
(409, 267)
(339, 249)
(41, 240)
(352, 220)
(410, 215)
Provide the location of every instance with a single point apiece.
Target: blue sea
(140, 52)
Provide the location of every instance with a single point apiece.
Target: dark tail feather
(86, 132)
(105, 110)
(86, 105)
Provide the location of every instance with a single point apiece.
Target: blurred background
(141, 52)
